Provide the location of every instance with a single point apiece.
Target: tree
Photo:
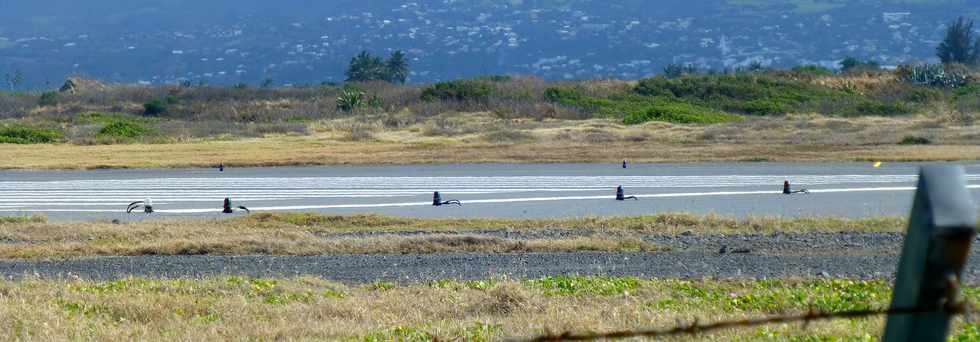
(366, 67)
(678, 70)
(397, 68)
(14, 80)
(853, 65)
(959, 46)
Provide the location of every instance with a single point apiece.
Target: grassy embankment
(801, 115)
(235, 308)
(309, 234)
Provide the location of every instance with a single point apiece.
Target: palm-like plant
(350, 99)
(396, 68)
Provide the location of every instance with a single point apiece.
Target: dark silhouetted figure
(228, 209)
(438, 202)
(626, 164)
(787, 190)
(621, 195)
(221, 167)
(147, 205)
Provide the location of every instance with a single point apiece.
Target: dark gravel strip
(422, 268)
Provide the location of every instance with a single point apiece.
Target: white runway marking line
(22, 196)
(489, 182)
(535, 199)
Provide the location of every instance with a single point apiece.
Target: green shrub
(678, 70)
(154, 108)
(678, 112)
(18, 134)
(812, 70)
(459, 90)
(914, 140)
(564, 95)
(48, 98)
(972, 89)
(851, 65)
(123, 130)
(376, 102)
(871, 107)
(636, 109)
(494, 78)
(753, 94)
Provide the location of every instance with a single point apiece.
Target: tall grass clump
(935, 75)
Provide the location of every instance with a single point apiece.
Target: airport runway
(486, 190)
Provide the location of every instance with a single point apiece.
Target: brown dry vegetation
(515, 122)
(310, 234)
(235, 308)
(484, 138)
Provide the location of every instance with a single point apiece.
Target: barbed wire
(697, 328)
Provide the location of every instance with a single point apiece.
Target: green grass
(309, 308)
(584, 286)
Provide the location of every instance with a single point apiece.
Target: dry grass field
(306, 309)
(309, 234)
(484, 138)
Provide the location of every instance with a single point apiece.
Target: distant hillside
(302, 41)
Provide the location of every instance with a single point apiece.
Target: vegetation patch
(584, 286)
(679, 112)
(21, 219)
(636, 109)
(307, 308)
(914, 140)
(23, 134)
(765, 94)
(459, 91)
(124, 130)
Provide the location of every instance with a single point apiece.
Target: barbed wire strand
(697, 328)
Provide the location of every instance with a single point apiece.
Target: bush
(678, 112)
(851, 65)
(914, 140)
(459, 90)
(754, 94)
(49, 98)
(968, 90)
(18, 134)
(494, 78)
(678, 70)
(812, 70)
(154, 108)
(563, 95)
(123, 130)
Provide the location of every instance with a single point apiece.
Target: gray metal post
(937, 245)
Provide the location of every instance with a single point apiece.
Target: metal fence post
(937, 245)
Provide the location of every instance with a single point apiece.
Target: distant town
(443, 41)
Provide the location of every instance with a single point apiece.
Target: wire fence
(695, 328)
